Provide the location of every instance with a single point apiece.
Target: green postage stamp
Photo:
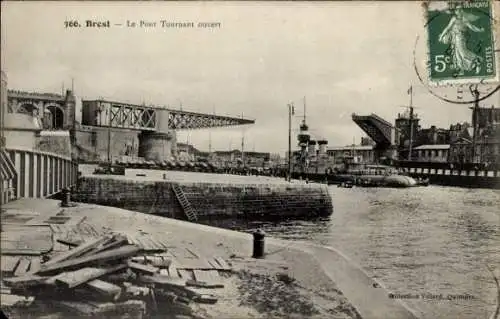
(461, 42)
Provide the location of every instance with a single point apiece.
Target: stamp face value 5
(461, 42)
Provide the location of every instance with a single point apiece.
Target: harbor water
(430, 246)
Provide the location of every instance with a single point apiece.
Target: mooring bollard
(66, 197)
(164, 176)
(258, 244)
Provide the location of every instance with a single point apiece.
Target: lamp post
(475, 111)
(290, 113)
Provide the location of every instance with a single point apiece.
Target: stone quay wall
(209, 199)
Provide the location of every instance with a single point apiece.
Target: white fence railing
(37, 174)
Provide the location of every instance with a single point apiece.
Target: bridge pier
(155, 146)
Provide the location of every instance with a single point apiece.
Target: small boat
(422, 181)
(347, 184)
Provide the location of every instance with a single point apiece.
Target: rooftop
(433, 147)
(351, 147)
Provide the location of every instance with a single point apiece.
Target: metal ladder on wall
(186, 206)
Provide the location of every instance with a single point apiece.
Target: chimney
(322, 147)
(312, 148)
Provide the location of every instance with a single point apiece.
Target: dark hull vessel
(449, 174)
(366, 176)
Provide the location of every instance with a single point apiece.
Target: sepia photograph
(250, 159)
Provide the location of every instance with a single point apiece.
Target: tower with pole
(406, 123)
(304, 137)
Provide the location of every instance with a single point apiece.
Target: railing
(39, 174)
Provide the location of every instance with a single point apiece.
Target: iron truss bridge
(179, 120)
(126, 116)
(379, 130)
(149, 118)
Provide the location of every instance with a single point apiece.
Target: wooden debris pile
(109, 275)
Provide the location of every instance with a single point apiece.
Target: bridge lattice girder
(132, 117)
(190, 120)
(376, 127)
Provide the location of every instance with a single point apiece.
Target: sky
(344, 57)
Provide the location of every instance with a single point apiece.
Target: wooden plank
(72, 264)
(186, 274)
(164, 272)
(172, 270)
(132, 240)
(139, 242)
(136, 291)
(35, 264)
(116, 241)
(25, 281)
(207, 276)
(146, 269)
(193, 252)
(8, 264)
(57, 220)
(222, 263)
(173, 251)
(104, 288)
(76, 251)
(149, 244)
(83, 275)
(76, 220)
(121, 277)
(159, 261)
(18, 252)
(22, 267)
(214, 264)
(202, 284)
(69, 242)
(169, 283)
(159, 242)
(206, 299)
(190, 263)
(81, 308)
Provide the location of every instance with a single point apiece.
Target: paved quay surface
(190, 177)
(326, 284)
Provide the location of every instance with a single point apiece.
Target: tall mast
(411, 123)
(290, 112)
(353, 143)
(304, 109)
(242, 144)
(209, 142)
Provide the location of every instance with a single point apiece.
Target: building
(431, 153)
(487, 143)
(407, 128)
(359, 153)
(190, 152)
(460, 137)
(433, 136)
